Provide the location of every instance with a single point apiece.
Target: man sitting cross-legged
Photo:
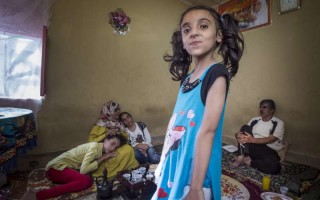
(260, 140)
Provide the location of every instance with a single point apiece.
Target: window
(20, 66)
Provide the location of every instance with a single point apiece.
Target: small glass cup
(127, 176)
(149, 177)
(136, 177)
(266, 179)
(283, 190)
(142, 170)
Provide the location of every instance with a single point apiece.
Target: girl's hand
(142, 146)
(110, 155)
(105, 156)
(195, 194)
(144, 152)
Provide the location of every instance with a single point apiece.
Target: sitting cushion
(37, 181)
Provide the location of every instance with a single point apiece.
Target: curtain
(26, 19)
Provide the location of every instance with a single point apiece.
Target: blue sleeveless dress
(181, 140)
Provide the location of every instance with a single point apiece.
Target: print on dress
(162, 193)
(176, 132)
(175, 136)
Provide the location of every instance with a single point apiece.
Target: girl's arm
(213, 109)
(105, 156)
(147, 136)
(90, 162)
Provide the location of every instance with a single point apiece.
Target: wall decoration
(119, 20)
(250, 13)
(285, 6)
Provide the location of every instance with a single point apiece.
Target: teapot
(104, 187)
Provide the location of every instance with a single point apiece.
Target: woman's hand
(112, 131)
(195, 194)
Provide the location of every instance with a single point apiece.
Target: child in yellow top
(70, 168)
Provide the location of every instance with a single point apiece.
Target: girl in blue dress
(190, 166)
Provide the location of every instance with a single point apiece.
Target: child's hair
(122, 139)
(231, 47)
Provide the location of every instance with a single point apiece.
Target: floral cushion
(37, 180)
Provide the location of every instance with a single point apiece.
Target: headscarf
(106, 116)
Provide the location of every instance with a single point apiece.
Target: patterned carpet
(252, 178)
(248, 177)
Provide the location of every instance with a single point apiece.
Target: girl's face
(127, 120)
(111, 145)
(199, 33)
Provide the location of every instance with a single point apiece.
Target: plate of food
(274, 196)
(233, 189)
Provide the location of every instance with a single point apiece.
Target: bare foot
(247, 160)
(238, 161)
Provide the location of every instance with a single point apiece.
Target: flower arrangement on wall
(119, 20)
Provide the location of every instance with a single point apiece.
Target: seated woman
(108, 124)
(70, 168)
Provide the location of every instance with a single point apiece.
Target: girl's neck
(132, 128)
(200, 66)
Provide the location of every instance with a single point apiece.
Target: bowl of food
(274, 196)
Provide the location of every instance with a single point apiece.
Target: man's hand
(245, 137)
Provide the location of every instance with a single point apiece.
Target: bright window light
(20, 66)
